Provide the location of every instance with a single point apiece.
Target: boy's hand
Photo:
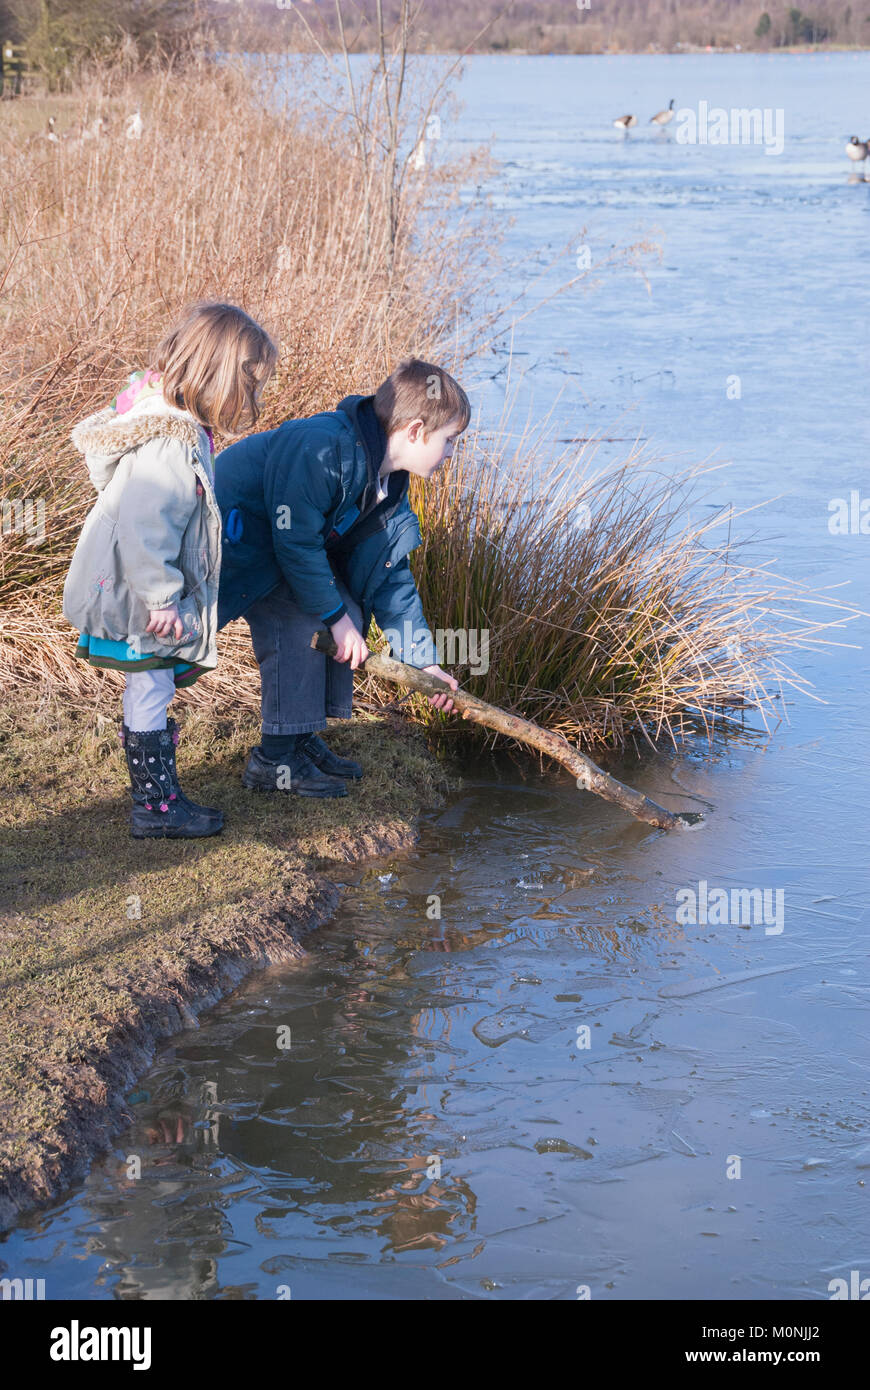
(162, 620)
(350, 642)
(442, 701)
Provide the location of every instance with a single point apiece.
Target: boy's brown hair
(213, 361)
(416, 390)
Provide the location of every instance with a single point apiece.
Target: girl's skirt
(120, 656)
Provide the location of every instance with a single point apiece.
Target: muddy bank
(108, 946)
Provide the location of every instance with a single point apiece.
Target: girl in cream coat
(142, 587)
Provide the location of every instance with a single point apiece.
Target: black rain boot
(211, 811)
(323, 757)
(292, 773)
(158, 812)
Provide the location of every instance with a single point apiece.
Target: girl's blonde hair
(213, 362)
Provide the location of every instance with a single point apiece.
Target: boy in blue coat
(317, 530)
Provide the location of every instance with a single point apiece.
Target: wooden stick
(587, 773)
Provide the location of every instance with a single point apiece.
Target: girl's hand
(162, 620)
(350, 642)
(442, 701)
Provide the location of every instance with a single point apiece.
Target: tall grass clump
(611, 616)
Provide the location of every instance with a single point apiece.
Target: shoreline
(791, 52)
(84, 1022)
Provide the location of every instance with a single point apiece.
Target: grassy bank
(108, 944)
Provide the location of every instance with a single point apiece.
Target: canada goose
(134, 126)
(858, 149)
(51, 134)
(662, 117)
(625, 122)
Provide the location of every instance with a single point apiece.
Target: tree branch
(587, 773)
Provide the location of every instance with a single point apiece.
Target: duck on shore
(858, 149)
(662, 117)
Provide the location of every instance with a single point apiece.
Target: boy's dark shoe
(322, 756)
(160, 809)
(293, 773)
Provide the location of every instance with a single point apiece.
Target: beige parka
(153, 537)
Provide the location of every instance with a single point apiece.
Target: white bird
(625, 122)
(134, 126)
(418, 159)
(858, 149)
(662, 117)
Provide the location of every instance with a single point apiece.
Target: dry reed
(611, 616)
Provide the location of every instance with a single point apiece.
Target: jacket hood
(105, 437)
(368, 429)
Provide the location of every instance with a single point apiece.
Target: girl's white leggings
(145, 699)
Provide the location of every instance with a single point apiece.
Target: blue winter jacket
(299, 503)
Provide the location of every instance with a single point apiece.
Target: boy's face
(421, 453)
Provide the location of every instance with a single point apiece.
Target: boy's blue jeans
(299, 687)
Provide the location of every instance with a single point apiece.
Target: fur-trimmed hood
(105, 437)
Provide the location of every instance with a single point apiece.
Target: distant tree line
(60, 35)
(800, 28)
(574, 26)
